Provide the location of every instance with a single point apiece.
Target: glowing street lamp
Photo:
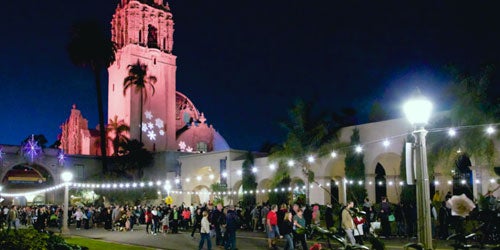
(66, 178)
(418, 111)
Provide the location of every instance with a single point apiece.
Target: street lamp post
(66, 178)
(418, 111)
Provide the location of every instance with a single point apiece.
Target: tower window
(201, 147)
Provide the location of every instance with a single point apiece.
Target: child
(164, 223)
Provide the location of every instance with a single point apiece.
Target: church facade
(166, 119)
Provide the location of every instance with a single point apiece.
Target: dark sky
(243, 63)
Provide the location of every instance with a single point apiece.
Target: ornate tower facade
(143, 31)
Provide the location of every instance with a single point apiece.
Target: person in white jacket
(78, 217)
(205, 232)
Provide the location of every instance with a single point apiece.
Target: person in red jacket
(148, 218)
(359, 220)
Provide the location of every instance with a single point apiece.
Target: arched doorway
(27, 177)
(380, 183)
(200, 195)
(462, 177)
(334, 192)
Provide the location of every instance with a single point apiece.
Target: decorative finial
(202, 118)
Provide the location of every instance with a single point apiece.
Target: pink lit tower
(143, 31)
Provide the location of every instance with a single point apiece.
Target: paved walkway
(181, 241)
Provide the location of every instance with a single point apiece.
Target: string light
(310, 159)
(254, 169)
(272, 166)
(358, 149)
(386, 143)
(452, 132)
(291, 163)
(490, 130)
(333, 154)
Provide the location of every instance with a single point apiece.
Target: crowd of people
(222, 223)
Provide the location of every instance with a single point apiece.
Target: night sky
(243, 63)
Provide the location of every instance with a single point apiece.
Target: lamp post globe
(418, 111)
(66, 178)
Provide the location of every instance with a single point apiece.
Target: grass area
(99, 244)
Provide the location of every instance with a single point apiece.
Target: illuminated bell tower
(143, 31)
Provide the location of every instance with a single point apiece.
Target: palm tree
(248, 179)
(306, 134)
(118, 127)
(137, 76)
(90, 47)
(134, 158)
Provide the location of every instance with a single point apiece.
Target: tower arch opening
(380, 183)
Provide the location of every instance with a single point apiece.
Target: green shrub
(27, 239)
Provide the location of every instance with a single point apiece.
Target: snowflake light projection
(61, 157)
(152, 127)
(185, 148)
(1, 153)
(152, 135)
(31, 148)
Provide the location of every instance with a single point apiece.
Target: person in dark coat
(197, 221)
(281, 215)
(308, 215)
(443, 221)
(217, 220)
(232, 224)
(385, 211)
(329, 216)
(106, 217)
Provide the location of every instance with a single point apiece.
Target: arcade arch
(200, 194)
(25, 176)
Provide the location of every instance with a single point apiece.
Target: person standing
(13, 218)
(175, 219)
(197, 221)
(359, 221)
(232, 224)
(300, 222)
(205, 232)
(443, 221)
(287, 229)
(255, 218)
(367, 208)
(148, 218)
(316, 215)
(329, 216)
(348, 223)
(217, 220)
(272, 227)
(263, 214)
(385, 211)
(78, 217)
(400, 219)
